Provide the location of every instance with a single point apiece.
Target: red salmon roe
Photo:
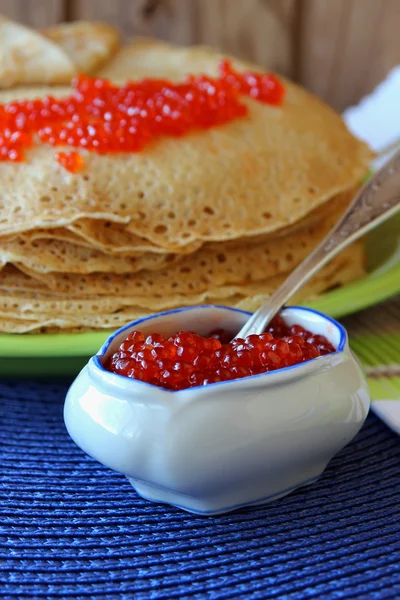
(101, 117)
(186, 359)
(72, 161)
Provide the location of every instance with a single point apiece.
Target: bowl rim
(110, 378)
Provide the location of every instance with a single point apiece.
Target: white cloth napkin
(376, 120)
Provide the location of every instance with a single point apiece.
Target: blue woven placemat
(71, 528)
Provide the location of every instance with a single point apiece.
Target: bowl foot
(204, 506)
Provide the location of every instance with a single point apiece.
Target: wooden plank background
(339, 49)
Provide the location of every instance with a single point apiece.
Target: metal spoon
(378, 200)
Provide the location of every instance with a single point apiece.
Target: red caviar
(186, 359)
(72, 161)
(101, 117)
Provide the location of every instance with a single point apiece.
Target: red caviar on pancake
(186, 359)
(101, 117)
(72, 161)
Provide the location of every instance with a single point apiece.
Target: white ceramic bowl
(215, 448)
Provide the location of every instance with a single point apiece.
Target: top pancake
(252, 176)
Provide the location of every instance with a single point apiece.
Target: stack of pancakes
(218, 216)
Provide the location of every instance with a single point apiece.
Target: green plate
(64, 354)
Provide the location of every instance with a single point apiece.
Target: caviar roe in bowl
(210, 449)
(187, 359)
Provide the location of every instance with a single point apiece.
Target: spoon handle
(377, 201)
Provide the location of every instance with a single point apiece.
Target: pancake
(88, 44)
(59, 256)
(41, 300)
(216, 216)
(115, 237)
(32, 312)
(56, 260)
(26, 57)
(251, 176)
(55, 54)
